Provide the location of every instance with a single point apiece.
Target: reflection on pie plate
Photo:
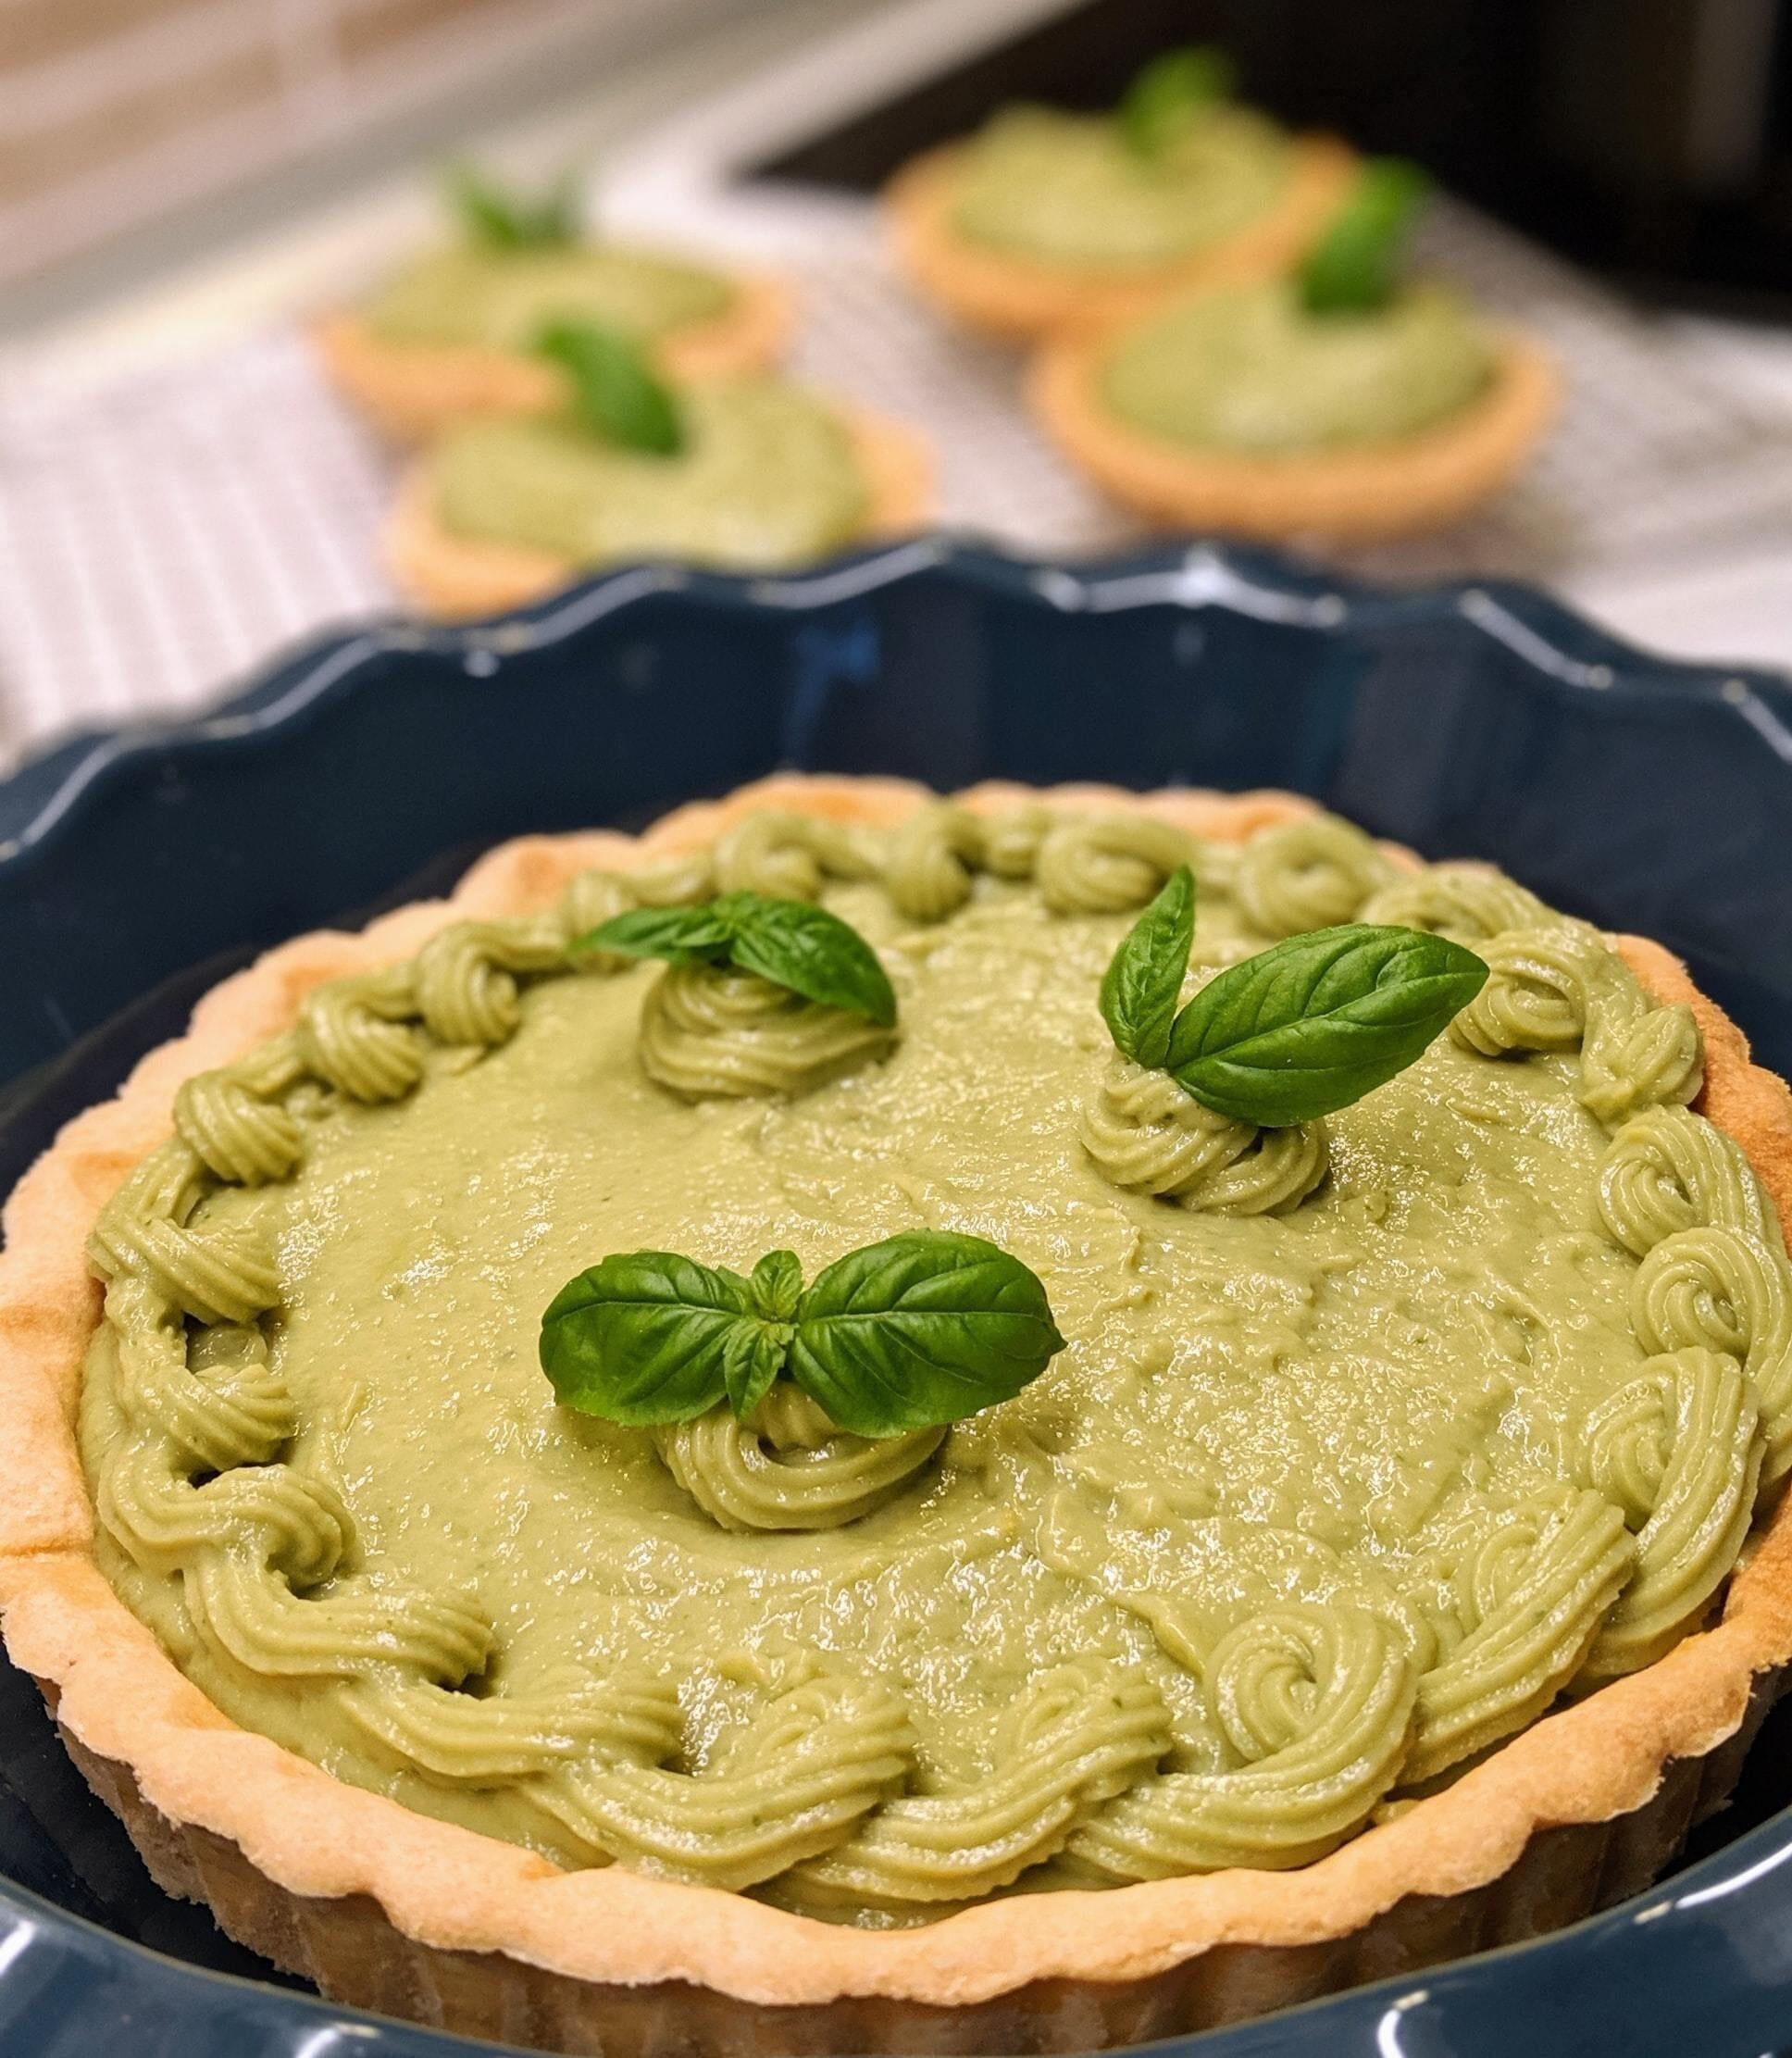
(406, 1911)
(455, 578)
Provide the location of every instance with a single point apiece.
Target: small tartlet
(411, 392)
(1021, 299)
(452, 577)
(1359, 492)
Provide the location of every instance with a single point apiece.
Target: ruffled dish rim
(449, 1888)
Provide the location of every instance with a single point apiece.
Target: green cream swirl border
(624, 1715)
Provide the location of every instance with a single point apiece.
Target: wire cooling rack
(166, 532)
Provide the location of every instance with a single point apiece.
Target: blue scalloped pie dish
(1466, 722)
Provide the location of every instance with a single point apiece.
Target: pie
(451, 335)
(1236, 409)
(1392, 1561)
(1046, 221)
(502, 512)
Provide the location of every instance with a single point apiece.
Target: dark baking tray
(136, 868)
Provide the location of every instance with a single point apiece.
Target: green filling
(500, 299)
(1067, 189)
(767, 477)
(1371, 1434)
(1249, 369)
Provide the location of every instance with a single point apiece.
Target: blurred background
(183, 183)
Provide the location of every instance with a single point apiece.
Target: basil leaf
(502, 222)
(752, 1359)
(1169, 91)
(1143, 982)
(777, 1284)
(1354, 267)
(1316, 1022)
(647, 1337)
(920, 1329)
(615, 392)
(798, 945)
(676, 934)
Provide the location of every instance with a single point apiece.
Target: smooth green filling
(500, 299)
(767, 478)
(1249, 369)
(1349, 1468)
(1065, 189)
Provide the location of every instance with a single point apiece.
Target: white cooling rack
(163, 534)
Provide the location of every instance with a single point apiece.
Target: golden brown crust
(1021, 298)
(1395, 489)
(458, 578)
(412, 392)
(1588, 1803)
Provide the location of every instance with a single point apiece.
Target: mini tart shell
(416, 1917)
(1372, 491)
(412, 392)
(455, 578)
(1024, 298)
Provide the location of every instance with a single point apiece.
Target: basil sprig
(1301, 1030)
(918, 1330)
(1170, 91)
(1143, 982)
(615, 391)
(1355, 265)
(793, 944)
(503, 220)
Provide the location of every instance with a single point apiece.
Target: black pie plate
(137, 867)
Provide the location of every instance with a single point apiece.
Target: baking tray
(1481, 720)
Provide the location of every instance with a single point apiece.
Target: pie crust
(412, 392)
(417, 1917)
(454, 578)
(1357, 495)
(1021, 298)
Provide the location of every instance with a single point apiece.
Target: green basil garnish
(1169, 92)
(503, 220)
(1314, 1023)
(1144, 983)
(919, 1331)
(1354, 268)
(1295, 1032)
(615, 391)
(647, 1337)
(793, 944)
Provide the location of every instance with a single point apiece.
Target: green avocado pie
(870, 1422)
(450, 334)
(1045, 219)
(1341, 399)
(744, 474)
